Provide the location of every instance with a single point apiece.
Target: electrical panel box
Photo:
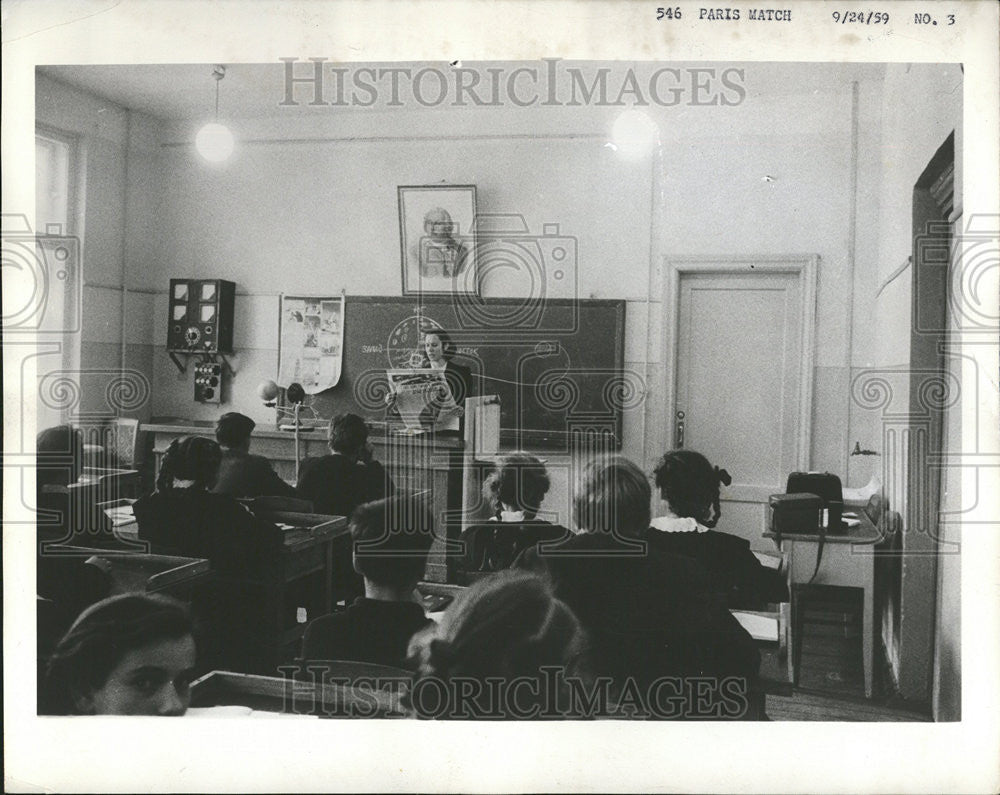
(208, 382)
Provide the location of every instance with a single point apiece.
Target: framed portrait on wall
(437, 239)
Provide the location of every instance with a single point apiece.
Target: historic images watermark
(556, 693)
(549, 83)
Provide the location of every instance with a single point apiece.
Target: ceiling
(182, 91)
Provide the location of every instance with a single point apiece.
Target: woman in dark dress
(438, 352)
(690, 486)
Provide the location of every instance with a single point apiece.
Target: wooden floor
(831, 683)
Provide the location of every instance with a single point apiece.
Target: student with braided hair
(183, 517)
(691, 485)
(132, 654)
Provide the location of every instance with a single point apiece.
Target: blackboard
(557, 364)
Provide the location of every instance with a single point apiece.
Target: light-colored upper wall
(118, 182)
(922, 105)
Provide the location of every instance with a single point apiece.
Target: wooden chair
(122, 441)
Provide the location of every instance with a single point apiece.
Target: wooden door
(742, 377)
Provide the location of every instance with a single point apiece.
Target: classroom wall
(118, 185)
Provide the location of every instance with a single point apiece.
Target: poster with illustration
(311, 350)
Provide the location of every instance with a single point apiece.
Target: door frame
(805, 266)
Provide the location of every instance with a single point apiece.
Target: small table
(848, 561)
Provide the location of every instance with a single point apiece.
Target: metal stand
(298, 406)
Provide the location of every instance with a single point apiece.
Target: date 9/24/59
(860, 17)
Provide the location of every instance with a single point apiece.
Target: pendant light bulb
(214, 141)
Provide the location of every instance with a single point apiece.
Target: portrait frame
(437, 241)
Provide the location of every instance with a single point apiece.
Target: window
(58, 280)
(52, 184)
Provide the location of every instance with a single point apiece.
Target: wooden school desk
(848, 561)
(426, 462)
(305, 551)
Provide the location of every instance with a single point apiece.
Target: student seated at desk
(501, 631)
(182, 517)
(649, 614)
(132, 654)
(690, 486)
(242, 474)
(514, 490)
(391, 540)
(337, 483)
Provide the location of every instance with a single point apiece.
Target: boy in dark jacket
(337, 483)
(391, 540)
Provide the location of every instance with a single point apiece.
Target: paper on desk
(759, 627)
(771, 561)
(120, 514)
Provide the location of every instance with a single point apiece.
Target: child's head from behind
(518, 482)
(59, 456)
(507, 627)
(192, 459)
(348, 434)
(612, 496)
(232, 430)
(132, 654)
(391, 540)
(690, 485)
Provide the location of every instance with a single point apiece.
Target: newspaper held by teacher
(423, 399)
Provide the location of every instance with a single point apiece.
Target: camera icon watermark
(538, 268)
(961, 265)
(41, 277)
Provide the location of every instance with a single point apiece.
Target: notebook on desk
(760, 627)
(119, 512)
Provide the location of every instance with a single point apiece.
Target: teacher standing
(438, 353)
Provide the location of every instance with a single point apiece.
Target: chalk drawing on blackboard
(404, 348)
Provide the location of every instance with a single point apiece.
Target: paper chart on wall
(312, 335)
